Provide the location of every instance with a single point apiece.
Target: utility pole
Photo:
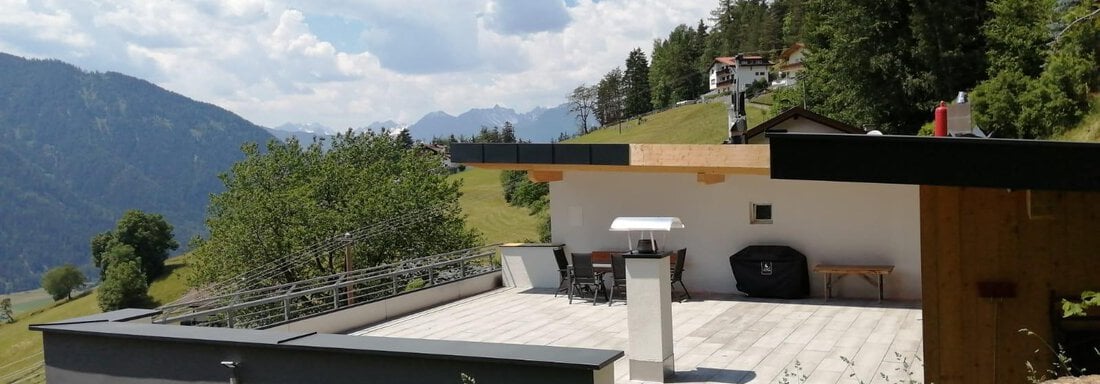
(347, 266)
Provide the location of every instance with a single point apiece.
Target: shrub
(123, 287)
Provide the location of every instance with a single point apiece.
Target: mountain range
(79, 148)
(540, 125)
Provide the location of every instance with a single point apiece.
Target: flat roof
(532, 355)
(673, 158)
(943, 161)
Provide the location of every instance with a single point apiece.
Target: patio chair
(618, 276)
(584, 277)
(563, 270)
(678, 271)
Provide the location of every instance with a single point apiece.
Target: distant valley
(79, 148)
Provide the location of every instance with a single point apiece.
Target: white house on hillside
(790, 64)
(742, 70)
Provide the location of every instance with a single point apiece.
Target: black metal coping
(126, 314)
(517, 354)
(590, 154)
(942, 161)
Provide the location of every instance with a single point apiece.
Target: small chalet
(790, 61)
(797, 120)
(740, 70)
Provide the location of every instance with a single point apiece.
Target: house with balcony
(977, 252)
(740, 71)
(790, 61)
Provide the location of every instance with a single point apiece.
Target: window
(761, 213)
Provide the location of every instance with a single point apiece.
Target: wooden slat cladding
(973, 235)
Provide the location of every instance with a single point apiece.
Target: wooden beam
(710, 178)
(741, 159)
(544, 176)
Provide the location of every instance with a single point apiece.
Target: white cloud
(267, 60)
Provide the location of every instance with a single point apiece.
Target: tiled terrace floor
(716, 340)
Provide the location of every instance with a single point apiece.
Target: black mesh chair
(678, 271)
(618, 276)
(584, 277)
(563, 270)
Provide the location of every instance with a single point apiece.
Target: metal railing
(270, 306)
(259, 276)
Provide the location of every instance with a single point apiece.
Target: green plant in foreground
(1062, 366)
(1074, 308)
(907, 371)
(795, 375)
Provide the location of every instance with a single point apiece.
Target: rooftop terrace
(717, 339)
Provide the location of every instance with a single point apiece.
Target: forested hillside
(1030, 64)
(79, 148)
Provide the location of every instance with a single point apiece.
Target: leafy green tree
(6, 313)
(886, 64)
(509, 181)
(1042, 67)
(149, 235)
(1017, 35)
(123, 286)
(282, 200)
(60, 282)
(636, 97)
(609, 98)
(582, 104)
(996, 104)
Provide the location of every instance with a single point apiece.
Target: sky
(348, 63)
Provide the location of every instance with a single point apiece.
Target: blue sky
(347, 63)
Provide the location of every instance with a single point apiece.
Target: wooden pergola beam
(710, 178)
(544, 176)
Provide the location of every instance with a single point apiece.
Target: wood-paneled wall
(972, 235)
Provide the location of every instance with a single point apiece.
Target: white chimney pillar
(649, 317)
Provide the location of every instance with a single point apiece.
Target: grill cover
(774, 271)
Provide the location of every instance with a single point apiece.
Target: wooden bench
(867, 272)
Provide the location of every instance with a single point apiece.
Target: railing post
(335, 297)
(462, 268)
(286, 309)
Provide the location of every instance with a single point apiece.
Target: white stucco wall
(837, 223)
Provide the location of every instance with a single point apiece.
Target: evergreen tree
(675, 74)
(636, 84)
(508, 133)
(405, 138)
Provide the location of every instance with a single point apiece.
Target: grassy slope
(20, 342)
(26, 301)
(1088, 129)
(483, 201)
(690, 124)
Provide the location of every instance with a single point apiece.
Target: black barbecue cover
(775, 271)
